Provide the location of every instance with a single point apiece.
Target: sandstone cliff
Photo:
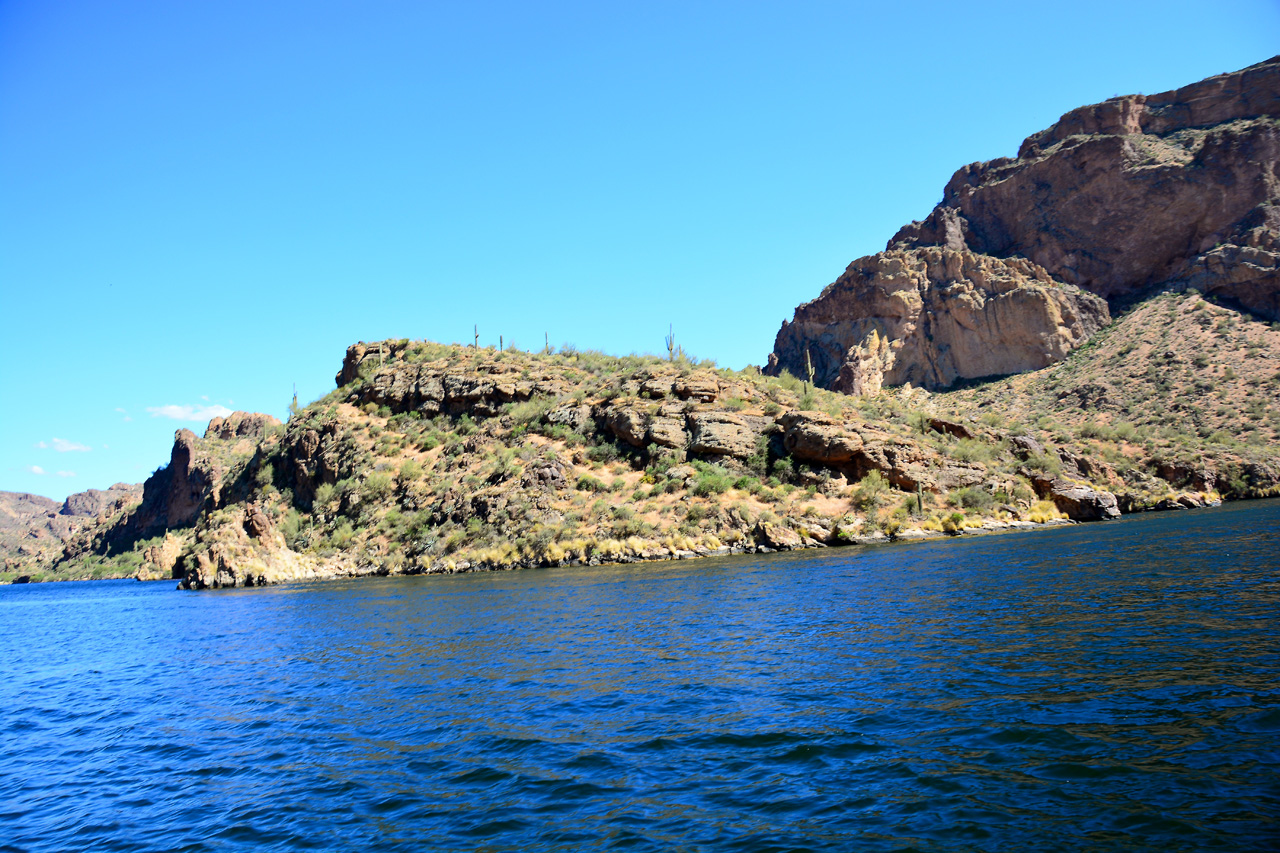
(1140, 194)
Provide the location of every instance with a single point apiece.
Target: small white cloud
(35, 469)
(204, 397)
(63, 446)
(189, 412)
(66, 473)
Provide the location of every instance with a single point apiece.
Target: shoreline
(913, 535)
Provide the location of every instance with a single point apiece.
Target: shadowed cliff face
(1174, 191)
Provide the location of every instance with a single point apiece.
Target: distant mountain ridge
(1136, 195)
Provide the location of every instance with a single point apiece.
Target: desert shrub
(713, 482)
(603, 453)
(871, 490)
(1089, 429)
(290, 527)
(1043, 511)
(991, 419)
(1046, 463)
(971, 497)
(324, 495)
(530, 411)
(342, 535)
(377, 485)
(266, 476)
(588, 483)
(971, 450)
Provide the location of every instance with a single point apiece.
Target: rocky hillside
(1122, 200)
(1088, 329)
(431, 458)
(35, 530)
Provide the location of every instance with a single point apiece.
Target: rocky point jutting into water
(1140, 194)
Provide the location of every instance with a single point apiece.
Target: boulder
(628, 424)
(668, 432)
(816, 437)
(722, 433)
(1024, 447)
(1079, 501)
(701, 387)
(777, 536)
(240, 425)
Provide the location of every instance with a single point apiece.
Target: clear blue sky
(204, 203)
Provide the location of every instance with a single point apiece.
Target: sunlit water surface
(1100, 687)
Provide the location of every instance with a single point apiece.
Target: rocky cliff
(432, 458)
(1137, 195)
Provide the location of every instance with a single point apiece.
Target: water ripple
(1089, 688)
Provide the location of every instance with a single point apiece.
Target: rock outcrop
(240, 425)
(933, 315)
(1078, 501)
(1179, 190)
(1136, 191)
(172, 497)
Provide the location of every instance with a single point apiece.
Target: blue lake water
(1097, 687)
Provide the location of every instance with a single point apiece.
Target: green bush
(971, 450)
(377, 485)
(871, 490)
(324, 495)
(972, 497)
(711, 483)
(342, 535)
(588, 483)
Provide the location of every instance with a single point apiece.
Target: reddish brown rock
(1120, 196)
(1179, 190)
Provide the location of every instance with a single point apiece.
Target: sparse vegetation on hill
(435, 458)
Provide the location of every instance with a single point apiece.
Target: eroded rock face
(931, 316)
(431, 389)
(1179, 190)
(1138, 190)
(815, 437)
